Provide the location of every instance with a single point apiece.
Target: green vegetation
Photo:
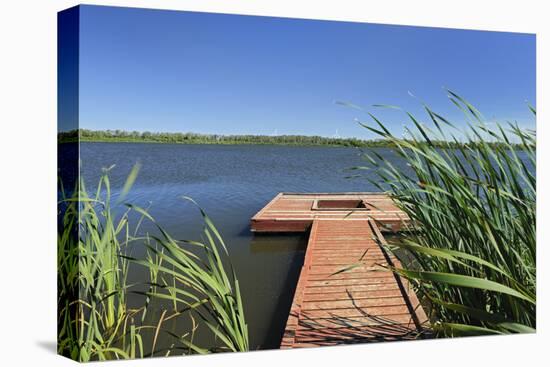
(193, 138)
(473, 214)
(95, 321)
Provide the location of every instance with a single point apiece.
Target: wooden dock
(345, 293)
(289, 212)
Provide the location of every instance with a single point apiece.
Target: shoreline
(453, 145)
(74, 140)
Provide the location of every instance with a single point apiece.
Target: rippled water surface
(232, 183)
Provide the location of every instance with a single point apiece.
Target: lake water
(231, 183)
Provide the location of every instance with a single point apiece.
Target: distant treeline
(194, 138)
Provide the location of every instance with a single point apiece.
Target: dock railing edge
(335, 193)
(417, 311)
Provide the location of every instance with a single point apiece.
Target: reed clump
(473, 207)
(94, 262)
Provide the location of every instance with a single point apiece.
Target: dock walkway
(345, 293)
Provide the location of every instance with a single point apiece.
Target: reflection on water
(231, 183)
(278, 243)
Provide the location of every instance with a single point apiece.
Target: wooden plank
(382, 311)
(343, 276)
(387, 291)
(354, 335)
(351, 288)
(323, 323)
(357, 303)
(374, 278)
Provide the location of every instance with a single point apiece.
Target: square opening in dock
(331, 204)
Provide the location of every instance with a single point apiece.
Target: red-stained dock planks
(345, 294)
(289, 212)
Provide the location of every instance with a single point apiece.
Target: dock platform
(345, 293)
(290, 212)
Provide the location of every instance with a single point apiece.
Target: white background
(28, 181)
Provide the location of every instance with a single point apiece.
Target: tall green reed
(191, 275)
(94, 319)
(92, 278)
(472, 205)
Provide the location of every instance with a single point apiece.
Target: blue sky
(212, 73)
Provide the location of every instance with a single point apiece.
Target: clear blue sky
(212, 73)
